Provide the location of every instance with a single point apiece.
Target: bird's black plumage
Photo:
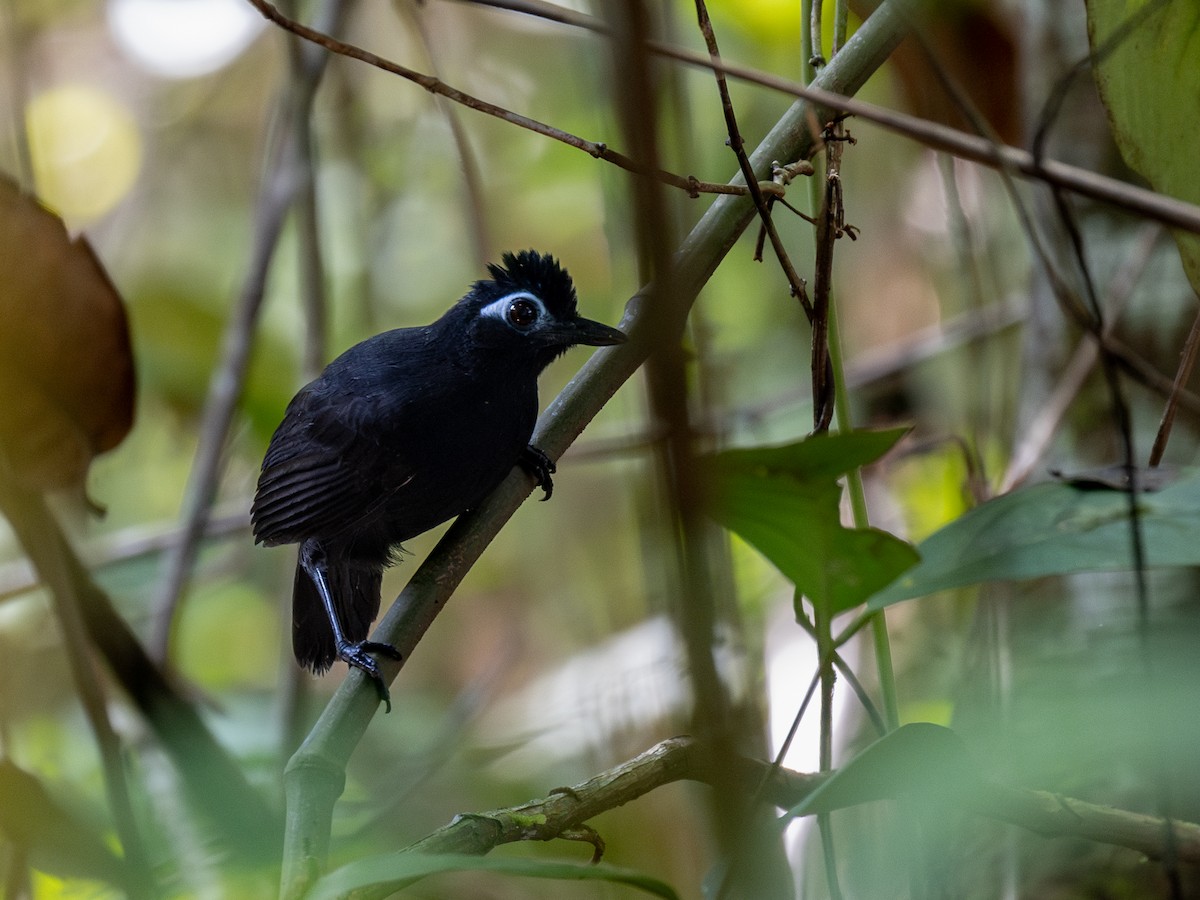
(402, 432)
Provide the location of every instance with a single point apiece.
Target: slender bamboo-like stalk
(316, 773)
(289, 173)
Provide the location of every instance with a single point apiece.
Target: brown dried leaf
(975, 44)
(66, 367)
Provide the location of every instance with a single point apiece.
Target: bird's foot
(540, 466)
(358, 655)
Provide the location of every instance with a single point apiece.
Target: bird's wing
(325, 469)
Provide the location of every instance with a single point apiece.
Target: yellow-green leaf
(785, 501)
(1150, 85)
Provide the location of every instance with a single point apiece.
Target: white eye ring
(509, 309)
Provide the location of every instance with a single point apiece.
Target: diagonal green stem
(316, 772)
(858, 509)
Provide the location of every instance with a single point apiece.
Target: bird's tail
(355, 593)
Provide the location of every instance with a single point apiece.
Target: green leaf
(1150, 85)
(389, 872)
(918, 760)
(785, 502)
(822, 456)
(1054, 529)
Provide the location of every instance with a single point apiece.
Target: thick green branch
(565, 810)
(677, 759)
(564, 813)
(1134, 199)
(337, 732)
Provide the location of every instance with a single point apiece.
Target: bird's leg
(357, 654)
(540, 466)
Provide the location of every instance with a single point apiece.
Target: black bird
(402, 432)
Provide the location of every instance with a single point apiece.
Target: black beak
(593, 334)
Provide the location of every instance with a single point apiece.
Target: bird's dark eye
(522, 313)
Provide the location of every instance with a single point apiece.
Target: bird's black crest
(538, 273)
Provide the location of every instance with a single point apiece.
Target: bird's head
(528, 309)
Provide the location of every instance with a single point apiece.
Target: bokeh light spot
(86, 150)
(183, 38)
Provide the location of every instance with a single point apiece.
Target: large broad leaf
(1055, 529)
(1150, 84)
(918, 760)
(66, 368)
(785, 501)
(381, 876)
(820, 457)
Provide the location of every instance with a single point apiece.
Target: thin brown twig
(1158, 207)
(826, 234)
(1037, 436)
(830, 227)
(315, 775)
(1155, 712)
(694, 557)
(737, 144)
(693, 186)
(1085, 306)
(1115, 351)
(1149, 204)
(823, 394)
(1155, 709)
(275, 200)
(1187, 362)
(1107, 348)
(839, 662)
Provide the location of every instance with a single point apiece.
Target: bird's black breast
(458, 440)
(394, 438)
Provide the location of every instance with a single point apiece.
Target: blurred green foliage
(1043, 680)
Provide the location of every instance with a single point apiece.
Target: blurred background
(164, 131)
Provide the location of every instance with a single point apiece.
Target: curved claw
(541, 467)
(379, 647)
(358, 656)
